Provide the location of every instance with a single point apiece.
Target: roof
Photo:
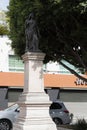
(50, 80)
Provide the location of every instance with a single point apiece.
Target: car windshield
(12, 107)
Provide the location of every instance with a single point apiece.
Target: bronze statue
(32, 34)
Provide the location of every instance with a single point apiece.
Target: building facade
(68, 88)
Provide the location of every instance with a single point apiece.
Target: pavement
(61, 128)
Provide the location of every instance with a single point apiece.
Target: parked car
(59, 113)
(8, 116)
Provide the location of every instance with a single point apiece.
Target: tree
(3, 24)
(62, 25)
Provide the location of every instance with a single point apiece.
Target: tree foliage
(62, 25)
(3, 30)
(3, 24)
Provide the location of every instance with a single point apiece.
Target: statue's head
(31, 16)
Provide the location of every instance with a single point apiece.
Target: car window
(55, 106)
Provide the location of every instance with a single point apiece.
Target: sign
(80, 82)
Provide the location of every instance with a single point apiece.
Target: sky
(4, 4)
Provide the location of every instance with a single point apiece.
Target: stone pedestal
(34, 103)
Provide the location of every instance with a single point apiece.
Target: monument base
(34, 113)
(35, 127)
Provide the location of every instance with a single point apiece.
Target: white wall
(5, 47)
(79, 110)
(52, 67)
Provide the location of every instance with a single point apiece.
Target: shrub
(81, 124)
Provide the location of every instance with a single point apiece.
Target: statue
(32, 34)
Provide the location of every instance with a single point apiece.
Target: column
(34, 102)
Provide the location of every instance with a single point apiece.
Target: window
(15, 63)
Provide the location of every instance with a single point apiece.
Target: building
(57, 81)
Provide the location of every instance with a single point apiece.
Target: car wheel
(5, 125)
(57, 121)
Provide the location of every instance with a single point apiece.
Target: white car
(59, 113)
(8, 116)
